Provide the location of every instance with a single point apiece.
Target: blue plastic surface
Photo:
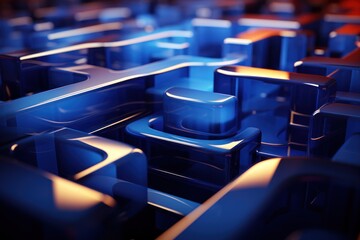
(332, 126)
(107, 166)
(193, 168)
(106, 100)
(286, 47)
(199, 114)
(345, 70)
(48, 206)
(270, 188)
(273, 101)
(343, 40)
(205, 88)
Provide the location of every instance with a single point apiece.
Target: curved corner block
(199, 114)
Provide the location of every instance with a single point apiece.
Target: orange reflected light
(13, 147)
(258, 176)
(71, 196)
(256, 72)
(112, 149)
(263, 33)
(261, 175)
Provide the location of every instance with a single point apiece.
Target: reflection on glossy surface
(46, 202)
(333, 127)
(113, 151)
(344, 70)
(242, 218)
(286, 47)
(85, 80)
(254, 72)
(199, 114)
(70, 197)
(191, 162)
(107, 97)
(272, 101)
(343, 40)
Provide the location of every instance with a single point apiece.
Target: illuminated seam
(187, 64)
(273, 144)
(298, 125)
(268, 23)
(227, 146)
(183, 98)
(317, 138)
(204, 22)
(228, 62)
(167, 209)
(85, 30)
(237, 41)
(170, 140)
(172, 45)
(174, 198)
(155, 36)
(113, 124)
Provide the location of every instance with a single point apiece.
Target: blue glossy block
(139, 49)
(199, 114)
(333, 126)
(336, 19)
(203, 28)
(92, 35)
(69, 36)
(57, 152)
(305, 21)
(274, 102)
(12, 32)
(343, 40)
(269, 48)
(190, 167)
(31, 66)
(77, 13)
(29, 73)
(270, 190)
(345, 70)
(47, 206)
(106, 100)
(110, 167)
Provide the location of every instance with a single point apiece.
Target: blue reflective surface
(106, 166)
(199, 114)
(119, 119)
(183, 162)
(273, 101)
(334, 128)
(55, 206)
(286, 47)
